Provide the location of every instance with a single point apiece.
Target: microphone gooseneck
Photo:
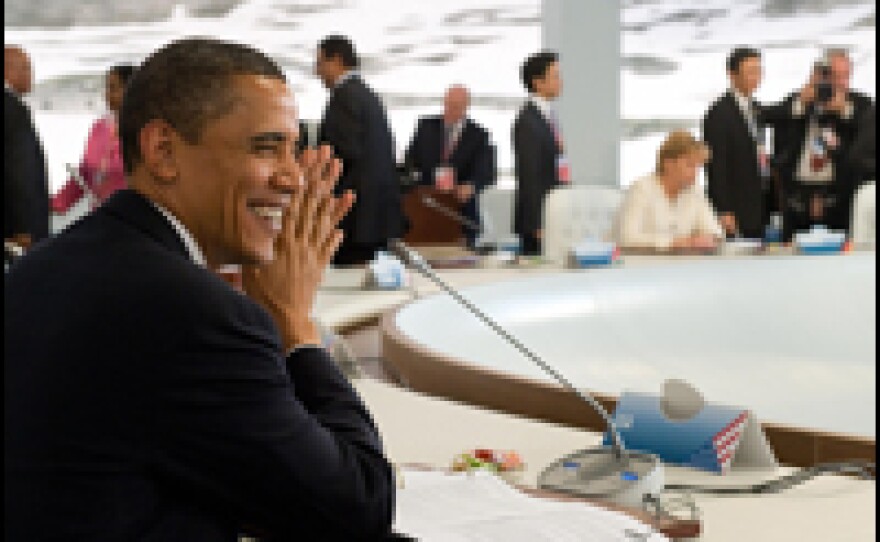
(444, 210)
(416, 262)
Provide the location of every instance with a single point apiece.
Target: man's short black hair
(738, 55)
(186, 83)
(122, 71)
(336, 46)
(535, 67)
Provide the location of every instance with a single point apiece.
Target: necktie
(750, 120)
(448, 141)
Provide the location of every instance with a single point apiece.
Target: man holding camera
(813, 158)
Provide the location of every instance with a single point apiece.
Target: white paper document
(435, 506)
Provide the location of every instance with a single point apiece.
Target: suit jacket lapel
(533, 110)
(461, 142)
(739, 114)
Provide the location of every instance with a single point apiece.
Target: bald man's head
(455, 104)
(17, 69)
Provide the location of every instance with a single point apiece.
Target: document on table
(436, 506)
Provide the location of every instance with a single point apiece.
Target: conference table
(418, 429)
(427, 429)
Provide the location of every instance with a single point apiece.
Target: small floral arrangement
(505, 463)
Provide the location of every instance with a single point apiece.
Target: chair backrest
(864, 219)
(496, 214)
(575, 213)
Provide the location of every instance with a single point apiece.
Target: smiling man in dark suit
(537, 147)
(356, 126)
(454, 140)
(146, 398)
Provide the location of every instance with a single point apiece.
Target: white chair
(572, 214)
(496, 215)
(864, 219)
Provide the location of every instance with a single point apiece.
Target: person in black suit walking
(25, 180)
(356, 126)
(537, 147)
(739, 174)
(145, 397)
(454, 140)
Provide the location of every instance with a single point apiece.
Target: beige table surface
(422, 429)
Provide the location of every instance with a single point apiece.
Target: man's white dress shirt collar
(546, 107)
(345, 77)
(744, 102)
(192, 248)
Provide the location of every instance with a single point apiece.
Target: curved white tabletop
(791, 338)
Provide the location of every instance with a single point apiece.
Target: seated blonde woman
(666, 210)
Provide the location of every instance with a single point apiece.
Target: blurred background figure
(863, 154)
(356, 126)
(25, 179)
(815, 149)
(101, 167)
(666, 209)
(537, 147)
(455, 142)
(738, 175)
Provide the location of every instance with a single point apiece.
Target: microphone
(482, 247)
(613, 474)
(444, 210)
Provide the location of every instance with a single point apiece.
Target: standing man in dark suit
(454, 141)
(739, 175)
(537, 148)
(146, 398)
(356, 126)
(825, 122)
(25, 181)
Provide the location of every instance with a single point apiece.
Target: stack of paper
(435, 506)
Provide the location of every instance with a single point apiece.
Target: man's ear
(158, 149)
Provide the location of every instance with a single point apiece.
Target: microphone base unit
(600, 474)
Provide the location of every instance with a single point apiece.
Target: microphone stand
(617, 475)
(442, 209)
(458, 217)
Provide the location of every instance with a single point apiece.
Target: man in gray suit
(537, 147)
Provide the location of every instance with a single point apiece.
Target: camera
(824, 90)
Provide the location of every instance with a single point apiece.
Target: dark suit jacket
(846, 129)
(145, 399)
(733, 174)
(25, 182)
(863, 152)
(355, 125)
(790, 145)
(535, 152)
(472, 158)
